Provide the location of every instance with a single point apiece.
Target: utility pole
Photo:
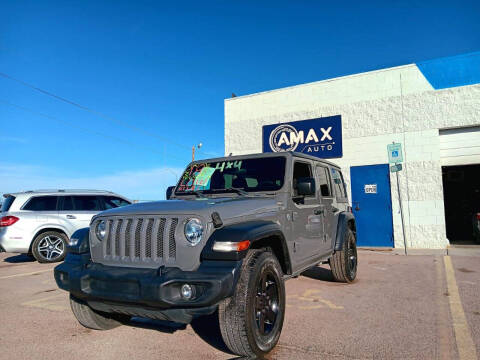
(193, 150)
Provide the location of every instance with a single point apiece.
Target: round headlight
(100, 230)
(193, 231)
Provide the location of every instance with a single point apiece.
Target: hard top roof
(264, 155)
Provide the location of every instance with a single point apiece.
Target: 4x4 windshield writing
(264, 174)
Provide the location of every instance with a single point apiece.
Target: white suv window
(111, 202)
(41, 203)
(86, 203)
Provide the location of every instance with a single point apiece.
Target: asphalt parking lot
(400, 308)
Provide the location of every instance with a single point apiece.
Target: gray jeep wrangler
(232, 231)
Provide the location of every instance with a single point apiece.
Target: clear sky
(161, 70)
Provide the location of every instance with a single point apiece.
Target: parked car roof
(61, 191)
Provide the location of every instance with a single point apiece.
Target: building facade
(431, 108)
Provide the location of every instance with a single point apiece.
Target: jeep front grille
(148, 238)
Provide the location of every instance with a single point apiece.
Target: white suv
(40, 222)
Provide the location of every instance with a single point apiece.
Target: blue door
(372, 205)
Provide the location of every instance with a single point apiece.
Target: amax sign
(320, 137)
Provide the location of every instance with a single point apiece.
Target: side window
(338, 183)
(324, 181)
(86, 203)
(42, 203)
(111, 202)
(252, 183)
(7, 203)
(300, 170)
(228, 180)
(67, 203)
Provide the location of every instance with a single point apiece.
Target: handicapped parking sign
(395, 154)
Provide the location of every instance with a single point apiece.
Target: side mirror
(306, 186)
(169, 193)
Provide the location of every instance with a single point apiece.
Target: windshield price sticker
(203, 178)
(370, 188)
(228, 165)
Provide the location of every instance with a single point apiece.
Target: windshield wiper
(239, 191)
(197, 193)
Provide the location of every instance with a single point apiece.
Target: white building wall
(377, 108)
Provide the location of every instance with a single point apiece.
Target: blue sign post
(320, 137)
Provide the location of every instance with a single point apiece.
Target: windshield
(261, 174)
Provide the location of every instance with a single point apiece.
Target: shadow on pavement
(19, 259)
(159, 325)
(207, 328)
(319, 273)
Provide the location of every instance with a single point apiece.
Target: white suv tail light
(8, 220)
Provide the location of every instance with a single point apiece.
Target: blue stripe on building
(452, 71)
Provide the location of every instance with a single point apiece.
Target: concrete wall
(378, 107)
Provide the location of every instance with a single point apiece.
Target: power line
(98, 113)
(70, 123)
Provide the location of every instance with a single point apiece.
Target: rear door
(67, 216)
(76, 211)
(86, 206)
(326, 197)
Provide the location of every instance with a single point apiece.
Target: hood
(227, 207)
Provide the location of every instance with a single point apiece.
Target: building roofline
(322, 81)
(417, 65)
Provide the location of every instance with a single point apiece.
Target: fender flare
(255, 231)
(82, 246)
(343, 224)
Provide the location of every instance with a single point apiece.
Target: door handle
(71, 217)
(318, 212)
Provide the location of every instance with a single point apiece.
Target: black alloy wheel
(251, 320)
(266, 303)
(352, 257)
(344, 263)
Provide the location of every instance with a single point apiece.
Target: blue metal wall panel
(372, 209)
(452, 71)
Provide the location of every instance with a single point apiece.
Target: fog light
(187, 292)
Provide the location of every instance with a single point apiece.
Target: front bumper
(153, 293)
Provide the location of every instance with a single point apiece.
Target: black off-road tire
(93, 319)
(40, 240)
(239, 317)
(344, 263)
